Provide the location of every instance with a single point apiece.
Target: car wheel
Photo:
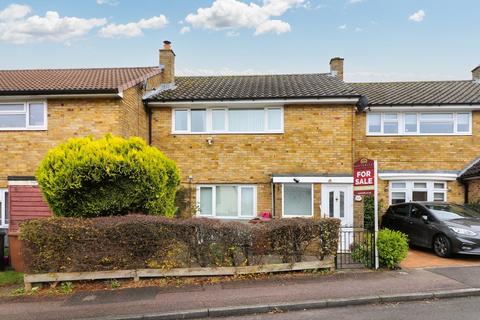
(442, 246)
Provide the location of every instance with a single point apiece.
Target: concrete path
(140, 301)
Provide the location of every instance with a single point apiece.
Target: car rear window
(402, 210)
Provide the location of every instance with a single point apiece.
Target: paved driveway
(423, 258)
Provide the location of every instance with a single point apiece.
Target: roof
(420, 92)
(251, 87)
(72, 81)
(472, 170)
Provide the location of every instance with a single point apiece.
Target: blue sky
(381, 40)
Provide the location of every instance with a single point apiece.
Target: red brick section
(26, 202)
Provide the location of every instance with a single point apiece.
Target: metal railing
(356, 249)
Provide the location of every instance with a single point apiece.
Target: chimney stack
(336, 67)
(167, 60)
(476, 73)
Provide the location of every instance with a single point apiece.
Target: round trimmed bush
(392, 247)
(109, 176)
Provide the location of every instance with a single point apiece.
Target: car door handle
(410, 222)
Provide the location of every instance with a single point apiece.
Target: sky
(380, 40)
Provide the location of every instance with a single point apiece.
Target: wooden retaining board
(177, 272)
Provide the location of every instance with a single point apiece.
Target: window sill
(226, 218)
(23, 129)
(226, 133)
(417, 134)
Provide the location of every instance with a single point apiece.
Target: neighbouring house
(245, 145)
(470, 178)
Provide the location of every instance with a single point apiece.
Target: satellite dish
(362, 103)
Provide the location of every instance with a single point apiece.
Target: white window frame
(209, 121)
(3, 209)
(401, 123)
(26, 112)
(312, 206)
(410, 188)
(239, 201)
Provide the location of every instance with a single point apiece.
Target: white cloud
(342, 27)
(109, 2)
(417, 16)
(185, 30)
(16, 26)
(354, 1)
(358, 29)
(235, 14)
(133, 29)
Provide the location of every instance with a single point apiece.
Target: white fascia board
(22, 183)
(60, 96)
(239, 103)
(471, 164)
(319, 179)
(418, 176)
(443, 107)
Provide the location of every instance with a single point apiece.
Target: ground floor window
(4, 216)
(297, 200)
(227, 201)
(406, 191)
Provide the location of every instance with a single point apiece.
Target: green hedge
(110, 176)
(392, 247)
(139, 241)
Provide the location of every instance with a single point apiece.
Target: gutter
(61, 96)
(280, 101)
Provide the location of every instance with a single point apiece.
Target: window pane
(437, 117)
(439, 185)
(298, 199)
(390, 127)
(402, 210)
(206, 201)
(13, 120)
(274, 119)
(247, 202)
(420, 185)
(331, 204)
(342, 204)
(398, 197)
(12, 107)
(419, 196)
(36, 114)
(218, 120)
(374, 123)
(246, 120)
(432, 127)
(181, 120)
(411, 122)
(226, 201)
(390, 117)
(198, 120)
(438, 196)
(463, 122)
(399, 185)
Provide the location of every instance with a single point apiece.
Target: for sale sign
(364, 177)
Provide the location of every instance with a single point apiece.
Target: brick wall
(317, 139)
(474, 190)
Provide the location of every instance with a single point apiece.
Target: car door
(398, 218)
(418, 230)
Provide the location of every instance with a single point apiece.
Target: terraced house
(245, 145)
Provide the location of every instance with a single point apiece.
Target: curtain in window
(240, 120)
(226, 201)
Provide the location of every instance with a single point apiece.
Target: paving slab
(424, 258)
(466, 275)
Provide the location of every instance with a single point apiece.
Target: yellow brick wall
(419, 153)
(474, 190)
(317, 139)
(21, 151)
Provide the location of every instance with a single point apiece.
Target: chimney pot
(167, 45)
(336, 67)
(476, 73)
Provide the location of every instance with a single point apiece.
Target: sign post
(365, 183)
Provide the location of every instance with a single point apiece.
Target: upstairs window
(23, 116)
(227, 120)
(419, 123)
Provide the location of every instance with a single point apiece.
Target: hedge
(140, 241)
(109, 176)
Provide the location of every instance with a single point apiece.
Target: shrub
(392, 247)
(109, 176)
(140, 241)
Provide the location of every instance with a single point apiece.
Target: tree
(109, 176)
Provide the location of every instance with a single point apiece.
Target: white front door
(337, 202)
